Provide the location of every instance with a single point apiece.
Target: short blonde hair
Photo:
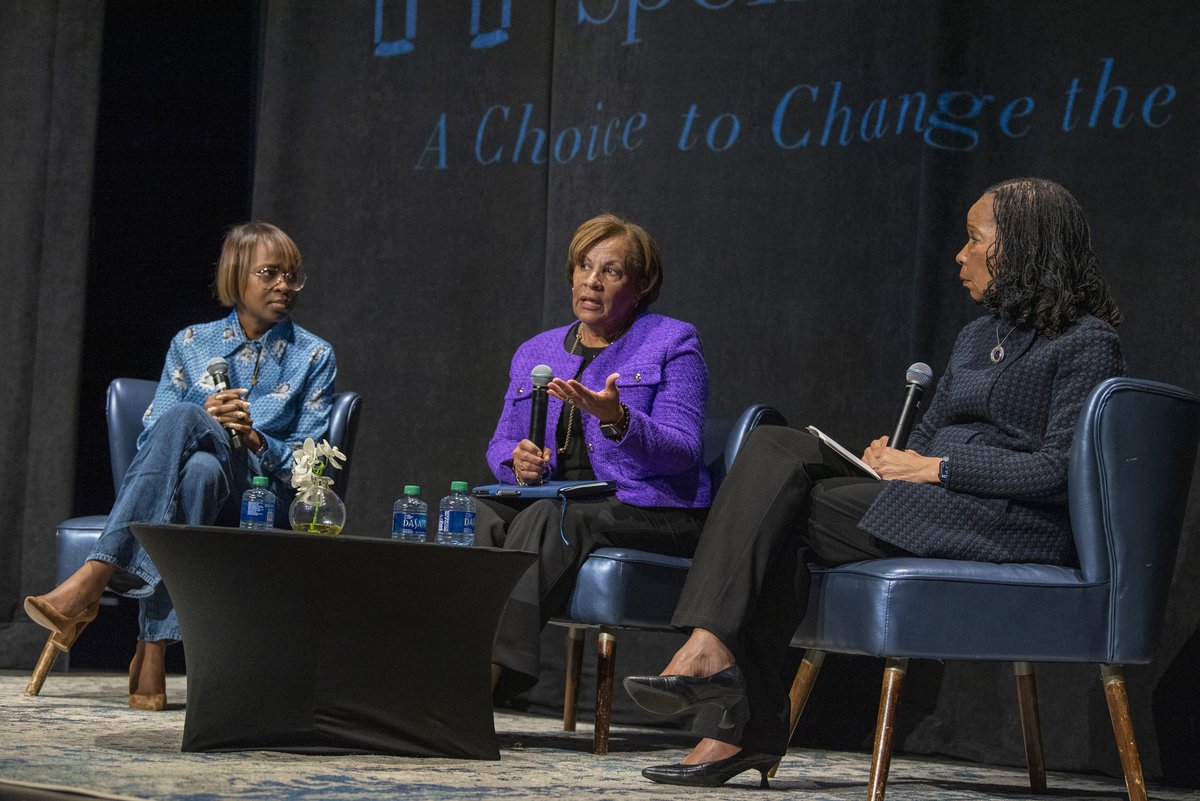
(642, 258)
(237, 256)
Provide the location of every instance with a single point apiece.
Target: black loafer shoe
(670, 695)
(712, 774)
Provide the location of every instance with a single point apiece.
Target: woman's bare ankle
(151, 676)
(702, 655)
(709, 750)
(81, 589)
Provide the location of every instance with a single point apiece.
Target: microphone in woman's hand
(919, 376)
(218, 368)
(540, 378)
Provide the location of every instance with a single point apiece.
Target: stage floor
(80, 737)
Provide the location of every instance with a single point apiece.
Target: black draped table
(302, 642)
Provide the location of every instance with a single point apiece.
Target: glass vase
(322, 513)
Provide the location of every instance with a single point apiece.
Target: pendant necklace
(571, 414)
(574, 411)
(997, 354)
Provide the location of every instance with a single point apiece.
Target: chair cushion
(73, 542)
(950, 609)
(622, 587)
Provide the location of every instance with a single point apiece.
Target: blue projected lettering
(480, 39)
(590, 12)
(719, 135)
(602, 12)
(832, 115)
(1118, 94)
(397, 47)
(509, 134)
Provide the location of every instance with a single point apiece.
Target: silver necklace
(997, 354)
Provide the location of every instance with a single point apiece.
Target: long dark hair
(1044, 272)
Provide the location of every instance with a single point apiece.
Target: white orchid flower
(308, 468)
(331, 453)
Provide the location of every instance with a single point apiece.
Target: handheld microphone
(218, 368)
(540, 378)
(919, 376)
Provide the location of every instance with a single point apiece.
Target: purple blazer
(664, 383)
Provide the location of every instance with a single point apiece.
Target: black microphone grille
(919, 373)
(541, 376)
(217, 364)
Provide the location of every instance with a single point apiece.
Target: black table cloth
(300, 642)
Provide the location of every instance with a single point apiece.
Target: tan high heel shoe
(150, 702)
(64, 631)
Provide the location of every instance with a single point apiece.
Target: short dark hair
(1044, 271)
(642, 258)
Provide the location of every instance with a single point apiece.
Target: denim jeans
(185, 472)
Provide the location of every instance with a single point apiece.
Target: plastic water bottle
(456, 516)
(258, 505)
(409, 515)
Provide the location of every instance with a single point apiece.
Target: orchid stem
(317, 472)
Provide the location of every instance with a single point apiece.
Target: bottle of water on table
(456, 516)
(409, 516)
(258, 505)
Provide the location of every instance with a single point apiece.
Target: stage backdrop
(806, 167)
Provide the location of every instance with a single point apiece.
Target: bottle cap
(262, 481)
(458, 486)
(412, 489)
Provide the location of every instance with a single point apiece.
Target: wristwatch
(615, 431)
(944, 471)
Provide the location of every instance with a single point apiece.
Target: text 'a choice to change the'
(806, 116)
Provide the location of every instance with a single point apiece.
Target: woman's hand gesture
(604, 405)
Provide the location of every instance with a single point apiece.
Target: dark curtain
(49, 57)
(806, 168)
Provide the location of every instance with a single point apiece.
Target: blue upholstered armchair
(1130, 468)
(621, 588)
(125, 404)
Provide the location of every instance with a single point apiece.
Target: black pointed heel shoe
(670, 695)
(713, 774)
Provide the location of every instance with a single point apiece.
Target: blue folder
(549, 489)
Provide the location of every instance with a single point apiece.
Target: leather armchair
(125, 403)
(622, 588)
(1130, 468)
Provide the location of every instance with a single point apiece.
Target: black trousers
(562, 538)
(787, 501)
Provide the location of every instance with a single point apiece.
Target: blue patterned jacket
(289, 372)
(1006, 431)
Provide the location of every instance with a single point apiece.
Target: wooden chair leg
(1031, 725)
(574, 673)
(802, 684)
(885, 724)
(1118, 710)
(44, 663)
(606, 665)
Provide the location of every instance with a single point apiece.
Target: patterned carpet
(79, 735)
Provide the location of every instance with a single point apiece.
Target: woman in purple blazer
(626, 405)
(984, 477)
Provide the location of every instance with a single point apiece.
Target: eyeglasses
(270, 277)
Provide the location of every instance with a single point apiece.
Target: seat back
(628, 588)
(125, 406)
(723, 438)
(1130, 471)
(128, 399)
(343, 428)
